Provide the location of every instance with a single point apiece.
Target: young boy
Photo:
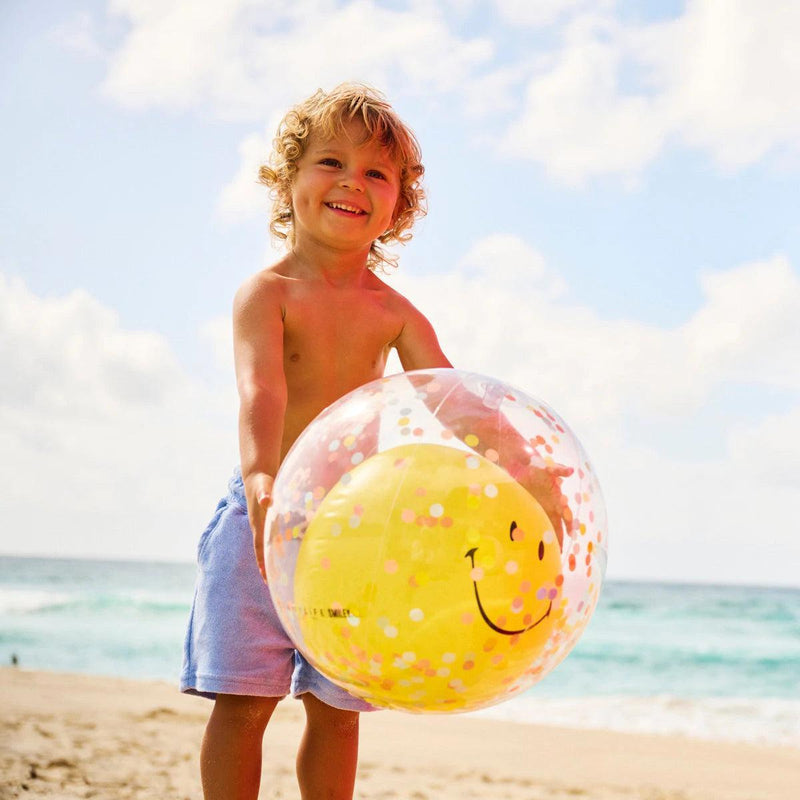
(345, 173)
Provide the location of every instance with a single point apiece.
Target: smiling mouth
(504, 631)
(357, 212)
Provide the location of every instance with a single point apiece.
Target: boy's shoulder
(268, 283)
(393, 298)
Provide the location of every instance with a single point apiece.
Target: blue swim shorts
(235, 643)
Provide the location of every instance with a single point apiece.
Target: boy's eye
(375, 173)
(331, 162)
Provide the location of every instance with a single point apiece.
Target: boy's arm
(260, 379)
(417, 345)
(418, 348)
(519, 456)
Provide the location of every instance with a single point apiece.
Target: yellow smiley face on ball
(428, 580)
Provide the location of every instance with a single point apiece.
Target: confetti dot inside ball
(406, 562)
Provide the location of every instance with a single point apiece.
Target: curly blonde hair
(326, 114)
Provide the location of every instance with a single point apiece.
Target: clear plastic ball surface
(437, 541)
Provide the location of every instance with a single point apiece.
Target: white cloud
(543, 12)
(748, 330)
(495, 92)
(218, 334)
(245, 59)
(508, 261)
(702, 520)
(69, 355)
(720, 77)
(769, 452)
(575, 120)
(729, 72)
(599, 95)
(176, 53)
(109, 448)
(80, 35)
(502, 310)
(243, 197)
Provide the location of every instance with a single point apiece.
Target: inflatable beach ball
(437, 541)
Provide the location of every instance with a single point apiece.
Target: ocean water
(714, 662)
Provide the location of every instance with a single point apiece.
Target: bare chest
(339, 339)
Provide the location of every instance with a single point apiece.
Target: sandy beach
(75, 736)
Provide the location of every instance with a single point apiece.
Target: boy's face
(345, 190)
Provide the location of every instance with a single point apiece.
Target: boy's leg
(328, 754)
(230, 758)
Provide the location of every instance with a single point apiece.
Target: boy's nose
(351, 182)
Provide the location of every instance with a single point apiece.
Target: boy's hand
(258, 490)
(544, 483)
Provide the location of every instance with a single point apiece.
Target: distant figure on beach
(14, 660)
(345, 175)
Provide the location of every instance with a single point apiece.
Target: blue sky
(613, 226)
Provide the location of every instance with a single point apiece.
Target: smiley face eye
(541, 550)
(511, 530)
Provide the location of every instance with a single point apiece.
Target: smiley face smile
(505, 631)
